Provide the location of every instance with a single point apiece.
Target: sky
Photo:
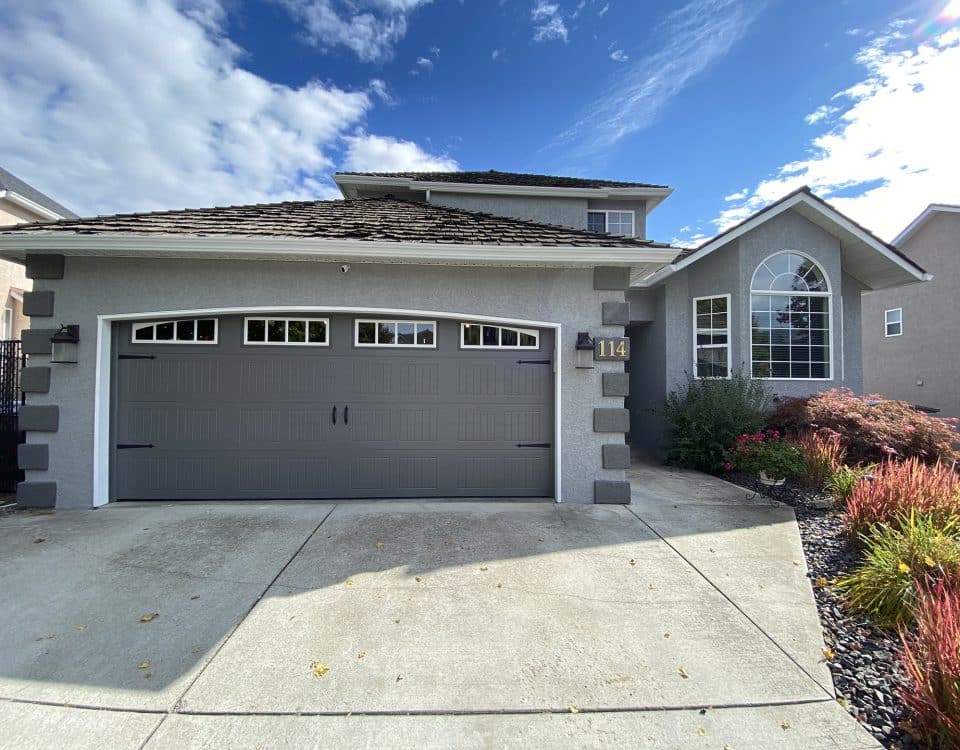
(128, 105)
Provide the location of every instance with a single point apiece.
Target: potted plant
(766, 456)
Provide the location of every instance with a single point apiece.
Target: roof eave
(14, 247)
(922, 219)
(32, 206)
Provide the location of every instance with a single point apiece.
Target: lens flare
(945, 15)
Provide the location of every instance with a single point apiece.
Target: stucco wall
(567, 212)
(927, 350)
(93, 286)
(730, 270)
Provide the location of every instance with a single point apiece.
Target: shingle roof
(371, 219)
(493, 177)
(15, 185)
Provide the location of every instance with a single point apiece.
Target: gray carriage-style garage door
(338, 406)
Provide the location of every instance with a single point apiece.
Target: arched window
(790, 319)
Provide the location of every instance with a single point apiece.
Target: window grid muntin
(276, 331)
(389, 327)
(889, 322)
(774, 340)
(711, 336)
(618, 223)
(522, 335)
(174, 326)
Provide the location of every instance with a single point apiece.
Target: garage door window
(285, 331)
(402, 333)
(478, 336)
(197, 331)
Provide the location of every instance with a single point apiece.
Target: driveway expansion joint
(733, 604)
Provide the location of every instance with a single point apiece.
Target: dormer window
(619, 223)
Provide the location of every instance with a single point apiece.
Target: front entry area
(300, 406)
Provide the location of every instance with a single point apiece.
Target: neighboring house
(400, 343)
(910, 350)
(20, 203)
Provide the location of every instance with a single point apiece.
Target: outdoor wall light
(585, 346)
(65, 343)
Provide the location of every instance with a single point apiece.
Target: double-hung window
(613, 222)
(893, 322)
(711, 348)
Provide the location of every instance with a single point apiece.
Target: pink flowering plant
(766, 452)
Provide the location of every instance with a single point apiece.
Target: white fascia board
(768, 214)
(139, 245)
(653, 196)
(914, 225)
(30, 205)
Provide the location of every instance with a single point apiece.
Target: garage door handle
(533, 362)
(533, 445)
(334, 415)
(346, 415)
(127, 446)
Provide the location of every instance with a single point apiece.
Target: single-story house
(431, 335)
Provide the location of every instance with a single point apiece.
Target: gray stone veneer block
(616, 313)
(44, 266)
(616, 456)
(616, 384)
(37, 494)
(38, 304)
(611, 420)
(37, 340)
(611, 278)
(611, 493)
(34, 456)
(35, 379)
(39, 418)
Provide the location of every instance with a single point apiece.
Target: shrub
(871, 429)
(841, 483)
(766, 452)
(823, 456)
(896, 489)
(931, 660)
(705, 417)
(916, 550)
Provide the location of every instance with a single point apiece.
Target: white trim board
(918, 222)
(104, 357)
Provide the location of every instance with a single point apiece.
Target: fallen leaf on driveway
(81, 628)
(378, 545)
(484, 568)
(666, 635)
(319, 668)
(701, 731)
(417, 579)
(828, 653)
(796, 562)
(145, 664)
(633, 562)
(349, 582)
(150, 618)
(785, 726)
(194, 597)
(682, 672)
(195, 650)
(573, 710)
(361, 655)
(397, 621)
(499, 585)
(44, 638)
(38, 540)
(399, 678)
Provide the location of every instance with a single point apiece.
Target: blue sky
(116, 105)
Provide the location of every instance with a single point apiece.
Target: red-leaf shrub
(931, 660)
(823, 455)
(871, 429)
(897, 488)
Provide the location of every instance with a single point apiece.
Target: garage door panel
(236, 421)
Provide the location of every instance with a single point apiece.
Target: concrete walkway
(682, 621)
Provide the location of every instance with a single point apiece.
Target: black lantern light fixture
(65, 343)
(585, 346)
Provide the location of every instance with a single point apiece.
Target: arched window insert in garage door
(196, 331)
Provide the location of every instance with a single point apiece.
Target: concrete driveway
(684, 620)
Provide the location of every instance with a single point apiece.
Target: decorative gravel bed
(864, 666)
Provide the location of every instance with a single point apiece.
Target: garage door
(331, 407)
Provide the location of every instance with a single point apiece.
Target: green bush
(706, 416)
(918, 550)
(766, 453)
(841, 483)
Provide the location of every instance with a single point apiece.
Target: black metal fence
(12, 360)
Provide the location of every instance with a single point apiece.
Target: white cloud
(376, 153)
(425, 63)
(548, 23)
(369, 28)
(618, 55)
(435, 51)
(737, 196)
(162, 116)
(495, 54)
(820, 113)
(603, 11)
(694, 37)
(894, 148)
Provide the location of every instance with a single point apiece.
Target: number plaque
(615, 349)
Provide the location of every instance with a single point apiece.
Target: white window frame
(887, 322)
(728, 345)
(306, 321)
(395, 344)
(178, 342)
(606, 219)
(500, 328)
(827, 294)
(7, 323)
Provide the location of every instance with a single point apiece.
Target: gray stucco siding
(102, 286)
(566, 212)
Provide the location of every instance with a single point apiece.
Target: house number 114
(615, 349)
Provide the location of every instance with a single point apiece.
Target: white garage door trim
(101, 407)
